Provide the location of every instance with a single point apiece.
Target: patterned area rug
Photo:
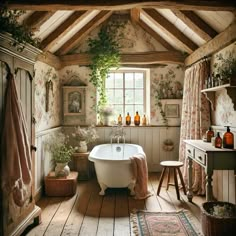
(178, 223)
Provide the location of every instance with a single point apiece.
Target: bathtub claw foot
(131, 188)
(103, 188)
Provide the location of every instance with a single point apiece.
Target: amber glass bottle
(120, 120)
(228, 139)
(137, 119)
(128, 119)
(209, 134)
(218, 141)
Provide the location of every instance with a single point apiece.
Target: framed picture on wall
(172, 110)
(74, 100)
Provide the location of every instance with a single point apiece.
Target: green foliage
(20, 33)
(57, 145)
(226, 68)
(105, 54)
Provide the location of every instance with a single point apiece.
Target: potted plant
(57, 145)
(225, 68)
(84, 136)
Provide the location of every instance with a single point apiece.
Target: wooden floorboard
(89, 214)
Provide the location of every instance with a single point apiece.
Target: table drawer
(200, 157)
(190, 151)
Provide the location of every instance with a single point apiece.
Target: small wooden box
(61, 186)
(81, 164)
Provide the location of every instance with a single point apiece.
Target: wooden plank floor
(89, 214)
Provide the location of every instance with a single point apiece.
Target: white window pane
(118, 110)
(110, 81)
(129, 80)
(110, 96)
(139, 108)
(118, 80)
(139, 96)
(130, 109)
(118, 98)
(129, 96)
(138, 80)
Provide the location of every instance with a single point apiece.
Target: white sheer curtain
(195, 118)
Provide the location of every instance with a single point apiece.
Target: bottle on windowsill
(120, 120)
(209, 134)
(144, 120)
(137, 119)
(128, 119)
(218, 141)
(228, 139)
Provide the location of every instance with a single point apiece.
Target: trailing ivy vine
(105, 54)
(20, 33)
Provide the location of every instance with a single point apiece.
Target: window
(126, 91)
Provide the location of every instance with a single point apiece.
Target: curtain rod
(205, 58)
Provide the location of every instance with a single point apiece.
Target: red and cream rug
(179, 223)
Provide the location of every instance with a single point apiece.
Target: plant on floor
(20, 33)
(105, 54)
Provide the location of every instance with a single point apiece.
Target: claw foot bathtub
(113, 166)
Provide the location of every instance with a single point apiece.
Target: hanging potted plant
(20, 33)
(105, 54)
(57, 145)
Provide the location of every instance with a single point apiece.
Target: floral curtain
(195, 118)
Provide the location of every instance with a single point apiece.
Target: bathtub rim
(93, 158)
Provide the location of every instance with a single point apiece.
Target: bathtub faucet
(117, 133)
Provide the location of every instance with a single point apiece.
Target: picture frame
(172, 110)
(74, 100)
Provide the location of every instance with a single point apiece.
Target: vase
(62, 169)
(82, 146)
(106, 120)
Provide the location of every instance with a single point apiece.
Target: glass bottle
(218, 141)
(128, 119)
(228, 139)
(137, 119)
(209, 134)
(144, 120)
(120, 120)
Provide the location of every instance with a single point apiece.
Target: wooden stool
(175, 165)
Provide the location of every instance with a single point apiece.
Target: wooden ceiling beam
(37, 18)
(135, 14)
(145, 58)
(63, 29)
(156, 36)
(221, 41)
(175, 34)
(82, 33)
(50, 59)
(48, 5)
(196, 24)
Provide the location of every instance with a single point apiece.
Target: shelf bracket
(210, 96)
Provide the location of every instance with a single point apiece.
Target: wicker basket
(216, 225)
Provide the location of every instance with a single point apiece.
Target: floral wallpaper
(51, 118)
(76, 75)
(224, 113)
(167, 83)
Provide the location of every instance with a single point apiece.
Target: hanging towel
(16, 159)
(140, 174)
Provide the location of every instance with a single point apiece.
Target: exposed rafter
(146, 58)
(73, 41)
(222, 40)
(195, 23)
(63, 29)
(37, 18)
(170, 29)
(47, 5)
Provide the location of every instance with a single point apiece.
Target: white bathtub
(113, 166)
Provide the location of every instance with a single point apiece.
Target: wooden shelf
(210, 93)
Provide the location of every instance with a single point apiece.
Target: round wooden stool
(172, 165)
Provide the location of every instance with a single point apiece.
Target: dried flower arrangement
(88, 135)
